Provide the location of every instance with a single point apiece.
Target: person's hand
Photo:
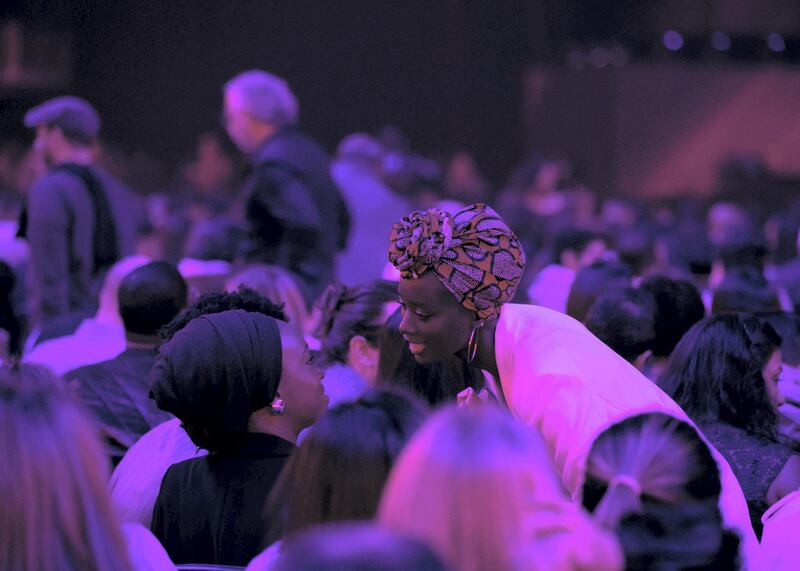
(469, 398)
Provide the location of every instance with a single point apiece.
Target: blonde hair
(467, 483)
(56, 513)
(279, 286)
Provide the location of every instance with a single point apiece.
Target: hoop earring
(277, 406)
(472, 346)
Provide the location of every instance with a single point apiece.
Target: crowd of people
(376, 361)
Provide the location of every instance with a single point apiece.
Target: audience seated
(744, 289)
(480, 488)
(116, 391)
(56, 512)
(625, 321)
(339, 471)
(573, 249)
(652, 480)
(244, 387)
(724, 374)
(678, 307)
(137, 478)
(435, 382)
(98, 338)
(355, 547)
(349, 334)
(593, 281)
(278, 285)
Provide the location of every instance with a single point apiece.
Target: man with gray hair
(296, 214)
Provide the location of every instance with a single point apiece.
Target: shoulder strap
(104, 235)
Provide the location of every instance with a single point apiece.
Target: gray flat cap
(75, 116)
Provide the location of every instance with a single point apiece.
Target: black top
(116, 391)
(211, 509)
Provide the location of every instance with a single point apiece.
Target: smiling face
(434, 324)
(301, 380)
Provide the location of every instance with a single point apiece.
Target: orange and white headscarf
(473, 252)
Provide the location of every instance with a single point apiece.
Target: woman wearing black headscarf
(243, 386)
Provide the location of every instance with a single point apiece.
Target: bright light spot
(775, 42)
(673, 40)
(720, 41)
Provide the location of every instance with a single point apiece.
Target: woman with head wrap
(243, 386)
(458, 275)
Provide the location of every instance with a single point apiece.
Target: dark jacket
(117, 393)
(211, 509)
(296, 213)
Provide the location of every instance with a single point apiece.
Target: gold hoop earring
(472, 346)
(277, 406)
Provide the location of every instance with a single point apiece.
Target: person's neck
(263, 422)
(485, 355)
(77, 155)
(138, 341)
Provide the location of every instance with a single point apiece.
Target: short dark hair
(593, 281)
(435, 382)
(150, 297)
(744, 289)
(340, 469)
(715, 372)
(678, 307)
(244, 298)
(624, 320)
(575, 239)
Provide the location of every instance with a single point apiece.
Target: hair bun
(329, 304)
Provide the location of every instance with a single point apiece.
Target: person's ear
(641, 360)
(361, 351)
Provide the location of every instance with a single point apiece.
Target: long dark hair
(715, 372)
(340, 469)
(436, 382)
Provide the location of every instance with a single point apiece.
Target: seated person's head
(342, 464)
(787, 325)
(678, 307)
(593, 281)
(150, 297)
(355, 547)
(624, 320)
(278, 285)
(726, 369)
(56, 511)
(435, 382)
(577, 248)
(653, 480)
(473, 483)
(226, 374)
(349, 330)
(744, 290)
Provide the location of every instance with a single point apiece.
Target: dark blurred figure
(572, 249)
(79, 219)
(593, 281)
(116, 391)
(437, 383)
(678, 307)
(297, 216)
(9, 323)
(625, 321)
(464, 181)
(744, 289)
(373, 207)
(355, 547)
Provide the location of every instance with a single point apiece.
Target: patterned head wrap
(474, 254)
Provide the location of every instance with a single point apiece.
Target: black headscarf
(216, 371)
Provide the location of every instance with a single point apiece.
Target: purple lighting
(673, 41)
(720, 41)
(775, 42)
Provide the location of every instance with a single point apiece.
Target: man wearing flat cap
(78, 220)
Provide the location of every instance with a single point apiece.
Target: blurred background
(644, 98)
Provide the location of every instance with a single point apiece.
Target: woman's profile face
(772, 371)
(434, 324)
(301, 380)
